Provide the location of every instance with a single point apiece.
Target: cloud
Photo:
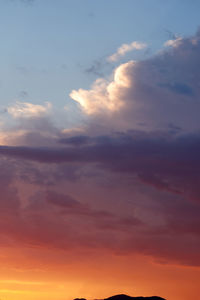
(175, 42)
(157, 176)
(96, 68)
(104, 96)
(57, 220)
(124, 49)
(149, 94)
(153, 158)
(28, 110)
(128, 181)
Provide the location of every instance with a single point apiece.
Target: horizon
(99, 149)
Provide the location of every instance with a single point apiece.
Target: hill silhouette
(126, 297)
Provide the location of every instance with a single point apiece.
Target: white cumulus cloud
(104, 96)
(157, 92)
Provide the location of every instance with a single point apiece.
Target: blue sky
(46, 46)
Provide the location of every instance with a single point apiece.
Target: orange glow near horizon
(98, 277)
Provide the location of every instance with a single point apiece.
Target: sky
(99, 149)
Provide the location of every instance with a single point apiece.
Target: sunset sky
(99, 149)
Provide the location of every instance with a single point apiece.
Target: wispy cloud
(28, 110)
(22, 282)
(173, 42)
(125, 48)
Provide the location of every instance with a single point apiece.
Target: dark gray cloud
(23, 94)
(164, 161)
(53, 219)
(179, 88)
(97, 68)
(165, 226)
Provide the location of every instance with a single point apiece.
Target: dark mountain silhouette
(126, 297)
